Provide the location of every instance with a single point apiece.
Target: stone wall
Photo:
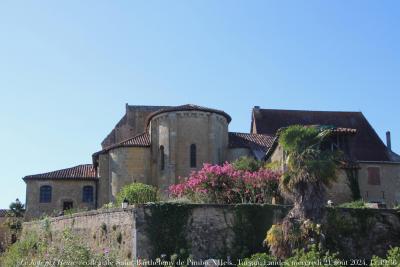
(99, 229)
(236, 153)
(219, 231)
(361, 233)
(5, 234)
(203, 231)
(127, 165)
(62, 190)
(207, 131)
(131, 124)
(387, 190)
(103, 171)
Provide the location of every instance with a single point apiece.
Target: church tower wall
(128, 165)
(207, 131)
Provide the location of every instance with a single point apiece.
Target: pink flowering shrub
(226, 185)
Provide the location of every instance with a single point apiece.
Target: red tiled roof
(188, 107)
(140, 140)
(253, 141)
(85, 171)
(365, 145)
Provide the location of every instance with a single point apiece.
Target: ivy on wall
(251, 225)
(352, 180)
(166, 228)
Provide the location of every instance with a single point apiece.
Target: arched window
(45, 194)
(162, 158)
(192, 156)
(87, 194)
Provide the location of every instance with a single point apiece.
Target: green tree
(247, 164)
(14, 219)
(310, 166)
(137, 193)
(17, 208)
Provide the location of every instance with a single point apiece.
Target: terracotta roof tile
(252, 141)
(85, 171)
(139, 140)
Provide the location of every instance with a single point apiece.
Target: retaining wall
(217, 231)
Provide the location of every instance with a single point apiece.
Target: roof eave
(27, 178)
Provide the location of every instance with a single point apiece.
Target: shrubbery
(259, 260)
(313, 257)
(137, 193)
(247, 164)
(70, 251)
(392, 259)
(354, 205)
(226, 185)
(27, 249)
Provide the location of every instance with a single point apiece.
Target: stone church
(158, 144)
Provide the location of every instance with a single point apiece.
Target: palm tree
(310, 166)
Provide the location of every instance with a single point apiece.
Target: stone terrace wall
(361, 233)
(101, 229)
(218, 231)
(148, 231)
(204, 231)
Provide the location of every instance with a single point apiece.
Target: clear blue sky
(67, 68)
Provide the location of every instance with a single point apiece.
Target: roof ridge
(252, 133)
(308, 110)
(85, 169)
(187, 107)
(76, 166)
(133, 137)
(121, 144)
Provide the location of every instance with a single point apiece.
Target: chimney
(388, 141)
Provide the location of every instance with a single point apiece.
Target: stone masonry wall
(387, 190)
(128, 165)
(218, 231)
(62, 190)
(5, 234)
(101, 229)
